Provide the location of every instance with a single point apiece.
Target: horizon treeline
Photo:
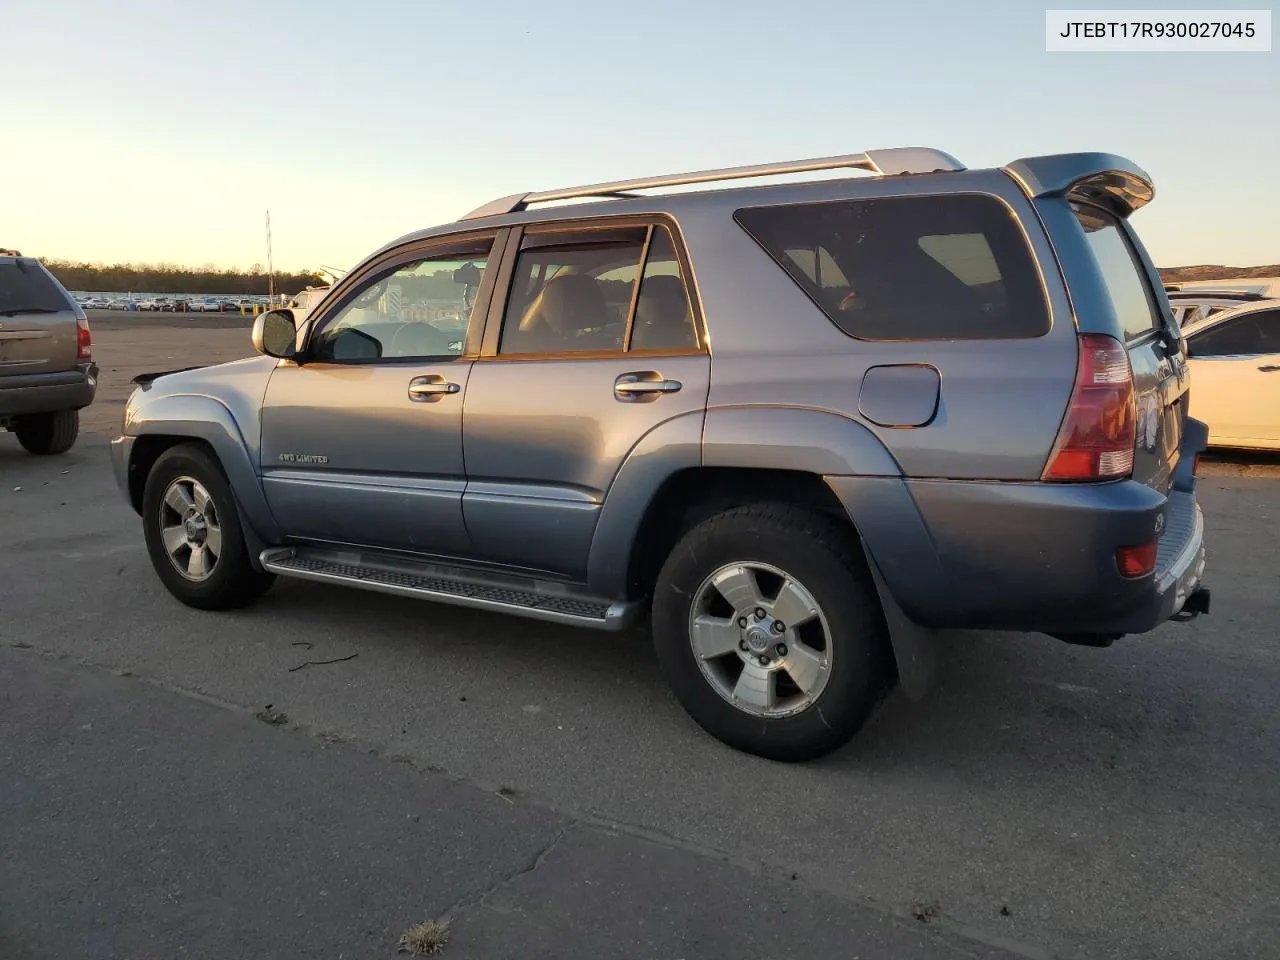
(174, 278)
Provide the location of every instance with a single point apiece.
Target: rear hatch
(1151, 338)
(38, 320)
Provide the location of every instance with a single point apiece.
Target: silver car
(794, 429)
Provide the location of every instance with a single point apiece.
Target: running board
(523, 597)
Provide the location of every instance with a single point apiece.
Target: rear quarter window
(1122, 271)
(951, 267)
(24, 285)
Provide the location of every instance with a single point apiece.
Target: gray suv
(798, 428)
(47, 373)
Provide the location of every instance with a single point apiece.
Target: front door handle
(646, 385)
(429, 388)
(1270, 368)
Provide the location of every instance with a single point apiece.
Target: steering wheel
(436, 338)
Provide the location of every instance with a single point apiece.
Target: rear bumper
(22, 394)
(1028, 556)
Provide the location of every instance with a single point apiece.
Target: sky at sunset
(150, 131)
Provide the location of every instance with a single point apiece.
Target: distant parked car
(204, 305)
(47, 373)
(304, 301)
(119, 303)
(1192, 306)
(1235, 375)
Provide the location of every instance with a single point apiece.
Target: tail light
(84, 340)
(1099, 432)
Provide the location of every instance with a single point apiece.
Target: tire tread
(839, 570)
(235, 582)
(48, 434)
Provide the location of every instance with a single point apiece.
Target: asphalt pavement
(1043, 801)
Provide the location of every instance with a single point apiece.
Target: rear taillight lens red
(1137, 561)
(84, 340)
(1099, 432)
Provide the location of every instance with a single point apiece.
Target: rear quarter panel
(1000, 402)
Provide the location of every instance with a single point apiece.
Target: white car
(205, 305)
(1234, 358)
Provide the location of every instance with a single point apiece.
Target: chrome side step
(539, 600)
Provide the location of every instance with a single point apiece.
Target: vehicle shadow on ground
(1005, 707)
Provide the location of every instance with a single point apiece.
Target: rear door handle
(429, 388)
(645, 385)
(1269, 368)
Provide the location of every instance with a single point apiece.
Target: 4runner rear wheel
(48, 433)
(768, 627)
(193, 532)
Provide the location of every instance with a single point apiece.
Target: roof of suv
(1105, 178)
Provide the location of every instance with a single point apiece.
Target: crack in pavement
(586, 820)
(470, 902)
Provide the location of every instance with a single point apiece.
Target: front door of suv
(362, 438)
(598, 345)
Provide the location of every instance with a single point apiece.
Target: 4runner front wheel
(48, 433)
(193, 533)
(768, 627)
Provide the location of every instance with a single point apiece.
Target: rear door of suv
(38, 332)
(592, 343)
(1151, 337)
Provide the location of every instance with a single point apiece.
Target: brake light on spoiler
(1099, 432)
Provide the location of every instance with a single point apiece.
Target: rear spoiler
(1105, 179)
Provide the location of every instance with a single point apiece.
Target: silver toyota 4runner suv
(798, 428)
(47, 373)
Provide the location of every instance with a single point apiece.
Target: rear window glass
(1122, 271)
(951, 267)
(25, 286)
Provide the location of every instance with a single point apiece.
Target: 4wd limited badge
(302, 458)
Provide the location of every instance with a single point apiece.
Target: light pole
(271, 273)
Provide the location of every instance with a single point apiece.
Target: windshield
(26, 288)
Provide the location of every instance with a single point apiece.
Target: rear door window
(953, 267)
(598, 291)
(1122, 271)
(24, 286)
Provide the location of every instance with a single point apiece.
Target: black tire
(45, 434)
(233, 581)
(825, 557)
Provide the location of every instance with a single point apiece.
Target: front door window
(420, 310)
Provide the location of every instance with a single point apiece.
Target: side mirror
(275, 333)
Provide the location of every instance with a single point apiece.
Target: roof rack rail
(891, 162)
